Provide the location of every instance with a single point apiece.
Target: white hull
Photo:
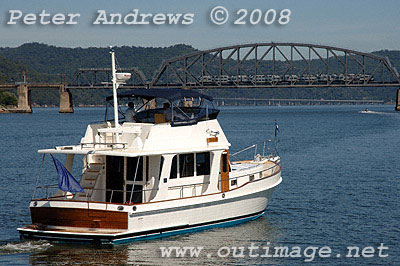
(164, 218)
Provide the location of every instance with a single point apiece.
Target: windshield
(177, 112)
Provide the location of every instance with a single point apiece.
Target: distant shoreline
(8, 109)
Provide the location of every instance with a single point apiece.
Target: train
(272, 79)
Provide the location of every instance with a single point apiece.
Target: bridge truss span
(276, 65)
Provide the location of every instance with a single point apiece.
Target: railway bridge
(257, 65)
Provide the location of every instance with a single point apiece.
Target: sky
(362, 25)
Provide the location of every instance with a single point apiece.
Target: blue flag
(276, 129)
(66, 182)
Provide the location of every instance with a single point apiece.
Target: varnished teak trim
(213, 139)
(79, 217)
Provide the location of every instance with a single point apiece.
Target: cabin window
(161, 165)
(186, 165)
(135, 166)
(147, 168)
(174, 168)
(224, 162)
(203, 163)
(137, 193)
(251, 178)
(131, 169)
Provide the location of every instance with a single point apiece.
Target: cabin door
(225, 171)
(135, 166)
(115, 179)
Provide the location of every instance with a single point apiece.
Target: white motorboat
(168, 172)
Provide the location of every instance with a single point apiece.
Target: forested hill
(45, 62)
(54, 60)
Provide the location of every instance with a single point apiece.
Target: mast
(115, 86)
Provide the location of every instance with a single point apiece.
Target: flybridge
(184, 107)
(180, 107)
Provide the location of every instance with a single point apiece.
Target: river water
(340, 189)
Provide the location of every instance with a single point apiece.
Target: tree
(8, 98)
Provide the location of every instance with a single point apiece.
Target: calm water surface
(340, 187)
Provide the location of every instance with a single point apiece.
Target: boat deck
(246, 165)
(68, 229)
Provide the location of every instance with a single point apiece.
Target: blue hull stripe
(187, 230)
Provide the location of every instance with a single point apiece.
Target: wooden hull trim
(74, 217)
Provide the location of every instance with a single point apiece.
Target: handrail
(108, 144)
(134, 179)
(181, 187)
(245, 149)
(236, 177)
(38, 177)
(95, 182)
(188, 185)
(86, 193)
(272, 150)
(273, 153)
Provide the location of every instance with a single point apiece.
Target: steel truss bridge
(258, 65)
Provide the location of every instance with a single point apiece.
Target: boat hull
(129, 237)
(154, 220)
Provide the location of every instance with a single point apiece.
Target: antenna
(115, 86)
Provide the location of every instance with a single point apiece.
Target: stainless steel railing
(107, 144)
(88, 193)
(48, 189)
(274, 169)
(182, 187)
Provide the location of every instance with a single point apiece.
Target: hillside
(52, 60)
(44, 63)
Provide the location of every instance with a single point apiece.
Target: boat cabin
(175, 148)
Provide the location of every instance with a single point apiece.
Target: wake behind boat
(162, 169)
(367, 111)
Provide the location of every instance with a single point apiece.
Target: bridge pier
(24, 99)
(398, 101)
(65, 101)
